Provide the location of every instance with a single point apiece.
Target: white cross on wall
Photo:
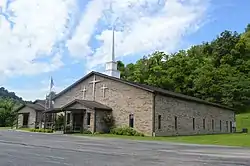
(84, 92)
(94, 84)
(103, 90)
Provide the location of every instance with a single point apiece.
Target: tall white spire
(113, 44)
(111, 67)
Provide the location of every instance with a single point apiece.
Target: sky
(66, 39)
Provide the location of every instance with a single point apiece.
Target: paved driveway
(37, 149)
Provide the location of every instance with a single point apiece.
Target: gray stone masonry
(100, 124)
(32, 117)
(123, 99)
(169, 108)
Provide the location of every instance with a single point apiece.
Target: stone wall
(100, 124)
(187, 111)
(123, 99)
(32, 117)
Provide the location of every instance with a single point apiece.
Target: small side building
(30, 114)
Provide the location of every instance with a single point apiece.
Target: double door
(78, 121)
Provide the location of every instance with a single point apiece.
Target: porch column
(64, 124)
(85, 126)
(44, 121)
(83, 119)
(94, 121)
(71, 121)
(92, 126)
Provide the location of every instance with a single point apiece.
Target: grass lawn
(222, 139)
(5, 128)
(243, 121)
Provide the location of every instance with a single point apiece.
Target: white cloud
(35, 93)
(38, 25)
(78, 46)
(143, 26)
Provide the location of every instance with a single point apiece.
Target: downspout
(153, 115)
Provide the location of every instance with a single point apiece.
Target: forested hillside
(216, 71)
(5, 94)
(8, 103)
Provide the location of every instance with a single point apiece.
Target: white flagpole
(50, 90)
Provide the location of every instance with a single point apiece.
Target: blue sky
(68, 38)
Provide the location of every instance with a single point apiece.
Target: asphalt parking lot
(37, 149)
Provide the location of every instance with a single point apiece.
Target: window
(227, 126)
(231, 125)
(131, 120)
(175, 123)
(193, 123)
(204, 124)
(68, 118)
(212, 124)
(159, 121)
(220, 125)
(88, 118)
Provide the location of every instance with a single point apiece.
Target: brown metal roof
(88, 104)
(152, 89)
(53, 110)
(36, 107)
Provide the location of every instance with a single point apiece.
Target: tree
(216, 71)
(7, 113)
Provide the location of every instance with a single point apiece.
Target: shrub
(32, 130)
(40, 130)
(86, 132)
(48, 131)
(108, 120)
(125, 131)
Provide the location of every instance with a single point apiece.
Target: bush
(40, 130)
(108, 120)
(126, 131)
(86, 132)
(48, 131)
(32, 130)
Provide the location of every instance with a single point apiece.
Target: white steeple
(111, 67)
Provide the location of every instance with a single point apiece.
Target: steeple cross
(103, 90)
(84, 92)
(94, 84)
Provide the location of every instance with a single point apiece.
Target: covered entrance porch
(80, 116)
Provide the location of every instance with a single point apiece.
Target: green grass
(24, 129)
(5, 128)
(222, 139)
(243, 121)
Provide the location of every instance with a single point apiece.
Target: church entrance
(78, 121)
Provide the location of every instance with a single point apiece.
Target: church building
(150, 110)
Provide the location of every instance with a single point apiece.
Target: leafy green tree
(7, 113)
(216, 71)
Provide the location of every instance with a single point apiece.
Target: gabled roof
(88, 104)
(40, 102)
(33, 106)
(148, 88)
